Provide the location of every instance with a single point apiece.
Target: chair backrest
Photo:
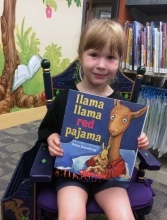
(70, 76)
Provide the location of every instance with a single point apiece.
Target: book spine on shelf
(155, 49)
(126, 30)
(166, 52)
(145, 48)
(157, 52)
(137, 43)
(142, 47)
(151, 45)
(131, 52)
(163, 46)
(128, 48)
(160, 48)
(148, 31)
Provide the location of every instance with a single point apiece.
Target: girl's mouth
(99, 76)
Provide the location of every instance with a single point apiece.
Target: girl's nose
(101, 63)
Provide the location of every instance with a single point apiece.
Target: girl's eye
(93, 54)
(110, 57)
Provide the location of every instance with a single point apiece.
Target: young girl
(101, 45)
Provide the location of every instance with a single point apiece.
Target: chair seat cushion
(140, 195)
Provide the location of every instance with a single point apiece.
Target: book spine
(160, 48)
(145, 48)
(157, 52)
(128, 48)
(135, 44)
(126, 31)
(163, 46)
(148, 47)
(155, 49)
(151, 45)
(142, 47)
(166, 53)
(131, 52)
(139, 27)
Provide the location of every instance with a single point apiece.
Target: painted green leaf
(27, 46)
(69, 2)
(27, 42)
(52, 4)
(53, 54)
(78, 3)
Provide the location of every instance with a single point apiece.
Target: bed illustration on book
(99, 136)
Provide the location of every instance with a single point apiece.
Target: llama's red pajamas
(113, 169)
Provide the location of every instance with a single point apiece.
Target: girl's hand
(54, 145)
(143, 142)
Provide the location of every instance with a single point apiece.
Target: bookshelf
(143, 11)
(101, 8)
(146, 11)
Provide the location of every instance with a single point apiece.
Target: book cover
(24, 73)
(99, 136)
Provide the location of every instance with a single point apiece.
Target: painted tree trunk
(8, 99)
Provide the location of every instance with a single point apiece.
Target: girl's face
(99, 66)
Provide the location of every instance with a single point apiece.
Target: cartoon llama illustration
(114, 166)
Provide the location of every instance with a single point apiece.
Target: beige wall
(63, 28)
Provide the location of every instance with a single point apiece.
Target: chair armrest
(42, 168)
(148, 161)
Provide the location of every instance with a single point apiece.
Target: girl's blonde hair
(97, 32)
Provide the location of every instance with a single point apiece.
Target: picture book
(99, 136)
(24, 73)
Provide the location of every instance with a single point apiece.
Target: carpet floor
(16, 140)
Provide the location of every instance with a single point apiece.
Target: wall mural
(23, 47)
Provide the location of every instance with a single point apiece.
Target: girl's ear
(79, 58)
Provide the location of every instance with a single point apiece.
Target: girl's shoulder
(115, 95)
(64, 92)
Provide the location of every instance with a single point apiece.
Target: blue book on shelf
(99, 136)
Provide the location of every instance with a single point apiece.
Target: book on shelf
(126, 31)
(157, 51)
(163, 46)
(99, 136)
(24, 73)
(166, 52)
(130, 40)
(160, 48)
(148, 45)
(142, 57)
(137, 26)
